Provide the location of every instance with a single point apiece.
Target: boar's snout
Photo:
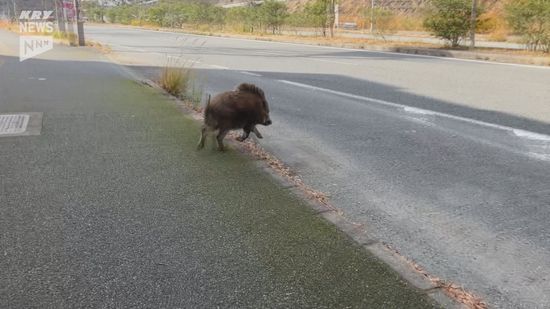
(266, 118)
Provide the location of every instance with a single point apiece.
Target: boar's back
(235, 109)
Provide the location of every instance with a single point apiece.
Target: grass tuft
(175, 77)
(179, 78)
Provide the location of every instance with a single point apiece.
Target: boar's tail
(207, 112)
(206, 108)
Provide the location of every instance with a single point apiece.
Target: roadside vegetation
(447, 19)
(179, 79)
(531, 18)
(174, 78)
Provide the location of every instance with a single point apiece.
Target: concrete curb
(467, 55)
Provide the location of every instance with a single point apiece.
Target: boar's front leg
(258, 134)
(220, 137)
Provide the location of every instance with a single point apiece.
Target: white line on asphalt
(137, 49)
(330, 61)
(219, 66)
(268, 53)
(415, 110)
(517, 132)
(531, 135)
(250, 73)
(358, 50)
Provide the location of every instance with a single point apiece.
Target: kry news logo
(39, 24)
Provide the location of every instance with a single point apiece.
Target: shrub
(247, 18)
(531, 18)
(407, 22)
(296, 20)
(382, 19)
(94, 11)
(316, 15)
(450, 19)
(273, 14)
(175, 77)
(494, 24)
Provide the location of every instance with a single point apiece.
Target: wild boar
(242, 108)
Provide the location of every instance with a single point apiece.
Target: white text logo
(40, 25)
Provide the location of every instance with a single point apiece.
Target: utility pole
(15, 17)
(332, 16)
(473, 24)
(372, 16)
(336, 16)
(329, 23)
(60, 17)
(79, 24)
(7, 9)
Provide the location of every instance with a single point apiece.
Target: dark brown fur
(242, 108)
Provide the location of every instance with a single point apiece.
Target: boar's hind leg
(219, 138)
(203, 138)
(258, 134)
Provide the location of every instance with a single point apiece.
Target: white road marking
(415, 110)
(268, 53)
(356, 49)
(531, 135)
(517, 132)
(250, 73)
(330, 61)
(136, 49)
(219, 66)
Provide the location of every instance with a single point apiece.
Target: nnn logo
(31, 45)
(37, 27)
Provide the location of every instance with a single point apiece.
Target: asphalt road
(446, 160)
(111, 206)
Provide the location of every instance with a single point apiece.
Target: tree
(94, 11)
(157, 15)
(316, 13)
(450, 19)
(531, 18)
(246, 16)
(273, 14)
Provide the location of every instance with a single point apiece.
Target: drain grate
(13, 124)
